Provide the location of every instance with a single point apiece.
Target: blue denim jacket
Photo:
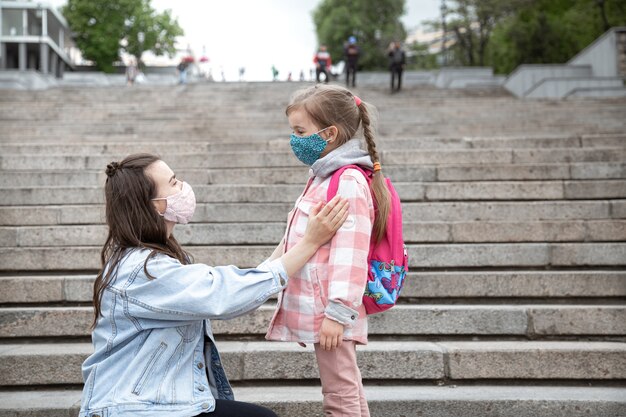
(154, 352)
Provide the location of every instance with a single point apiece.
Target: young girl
(154, 352)
(323, 302)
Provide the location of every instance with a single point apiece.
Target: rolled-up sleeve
(347, 267)
(198, 291)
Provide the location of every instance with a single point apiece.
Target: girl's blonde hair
(331, 105)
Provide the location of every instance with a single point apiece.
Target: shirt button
(201, 389)
(205, 405)
(352, 317)
(200, 365)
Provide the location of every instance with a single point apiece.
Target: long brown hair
(133, 221)
(334, 105)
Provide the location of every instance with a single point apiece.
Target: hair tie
(376, 166)
(357, 100)
(112, 169)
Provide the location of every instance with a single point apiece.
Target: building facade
(33, 36)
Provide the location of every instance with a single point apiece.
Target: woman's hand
(322, 225)
(331, 334)
(325, 220)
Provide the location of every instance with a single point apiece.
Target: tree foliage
(508, 33)
(471, 23)
(552, 31)
(102, 29)
(375, 23)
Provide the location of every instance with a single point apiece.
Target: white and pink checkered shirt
(331, 284)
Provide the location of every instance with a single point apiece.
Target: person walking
(322, 61)
(397, 62)
(351, 55)
(182, 68)
(131, 72)
(274, 73)
(154, 351)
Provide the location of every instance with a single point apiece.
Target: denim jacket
(154, 352)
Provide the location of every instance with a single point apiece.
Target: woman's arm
(279, 251)
(190, 292)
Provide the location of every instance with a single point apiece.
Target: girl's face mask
(308, 149)
(180, 206)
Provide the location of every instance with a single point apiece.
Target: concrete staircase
(515, 217)
(596, 71)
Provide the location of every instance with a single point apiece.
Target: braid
(368, 134)
(382, 199)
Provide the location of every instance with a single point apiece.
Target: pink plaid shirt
(331, 284)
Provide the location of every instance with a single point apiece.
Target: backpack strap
(333, 187)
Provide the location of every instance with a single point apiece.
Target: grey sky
(258, 34)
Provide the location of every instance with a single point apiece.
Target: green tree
(159, 31)
(472, 23)
(100, 27)
(375, 23)
(551, 31)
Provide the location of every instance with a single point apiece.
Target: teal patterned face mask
(308, 149)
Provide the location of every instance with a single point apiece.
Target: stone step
(218, 132)
(277, 212)
(224, 102)
(451, 401)
(603, 140)
(466, 285)
(384, 401)
(500, 255)
(176, 146)
(201, 176)
(516, 156)
(527, 320)
(90, 214)
(270, 233)
(432, 191)
(595, 170)
(247, 159)
(59, 363)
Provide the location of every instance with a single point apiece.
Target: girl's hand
(331, 334)
(325, 220)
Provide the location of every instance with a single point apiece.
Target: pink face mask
(180, 206)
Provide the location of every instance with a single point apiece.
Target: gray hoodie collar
(350, 153)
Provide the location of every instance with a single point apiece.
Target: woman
(154, 352)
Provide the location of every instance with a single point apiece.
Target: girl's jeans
(341, 381)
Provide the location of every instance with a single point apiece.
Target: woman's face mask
(180, 206)
(308, 149)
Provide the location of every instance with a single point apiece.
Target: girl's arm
(347, 266)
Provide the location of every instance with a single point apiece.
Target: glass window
(12, 22)
(34, 23)
(53, 27)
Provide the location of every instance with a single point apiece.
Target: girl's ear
(332, 133)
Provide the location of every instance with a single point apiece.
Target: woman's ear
(160, 206)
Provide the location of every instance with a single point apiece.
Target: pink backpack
(388, 260)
